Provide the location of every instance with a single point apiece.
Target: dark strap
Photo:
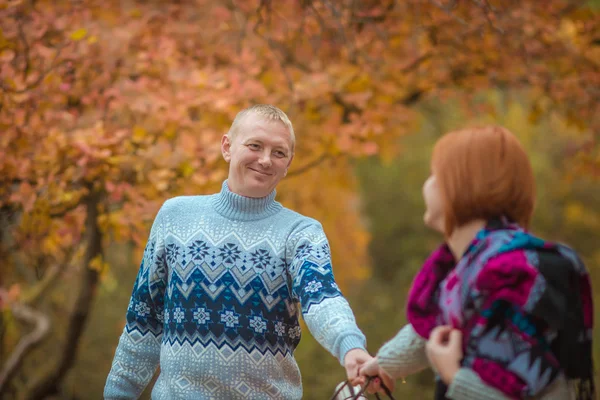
(440, 390)
(355, 396)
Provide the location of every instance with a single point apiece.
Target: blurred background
(109, 108)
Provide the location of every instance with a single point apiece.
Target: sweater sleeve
(404, 354)
(137, 354)
(467, 385)
(325, 311)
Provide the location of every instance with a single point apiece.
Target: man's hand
(372, 368)
(444, 351)
(353, 360)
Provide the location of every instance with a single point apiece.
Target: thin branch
(58, 213)
(448, 10)
(447, 7)
(321, 27)
(569, 8)
(412, 97)
(413, 64)
(36, 292)
(300, 32)
(312, 164)
(283, 59)
(242, 26)
(25, 48)
(487, 10)
(353, 8)
(346, 107)
(337, 17)
(42, 327)
(286, 74)
(40, 78)
(263, 4)
(374, 18)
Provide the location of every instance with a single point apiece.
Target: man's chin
(260, 189)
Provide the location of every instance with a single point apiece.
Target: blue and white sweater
(216, 300)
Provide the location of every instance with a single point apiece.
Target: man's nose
(265, 159)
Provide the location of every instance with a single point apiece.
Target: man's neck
(233, 188)
(463, 236)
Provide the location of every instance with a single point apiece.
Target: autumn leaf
(79, 34)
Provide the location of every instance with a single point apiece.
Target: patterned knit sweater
(404, 355)
(216, 302)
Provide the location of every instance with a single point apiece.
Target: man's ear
(226, 147)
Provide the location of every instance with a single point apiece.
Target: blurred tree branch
(41, 322)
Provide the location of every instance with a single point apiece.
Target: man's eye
(279, 154)
(254, 146)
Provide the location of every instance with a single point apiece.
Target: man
(215, 300)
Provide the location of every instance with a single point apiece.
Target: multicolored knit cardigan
(524, 307)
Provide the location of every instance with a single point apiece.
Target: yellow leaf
(92, 39)
(135, 13)
(67, 197)
(51, 245)
(79, 34)
(109, 282)
(3, 42)
(574, 212)
(568, 29)
(97, 264)
(359, 84)
(138, 133)
(268, 79)
(116, 160)
(186, 169)
(170, 131)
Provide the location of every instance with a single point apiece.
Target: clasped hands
(443, 350)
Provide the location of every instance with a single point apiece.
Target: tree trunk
(49, 384)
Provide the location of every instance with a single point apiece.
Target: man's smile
(260, 172)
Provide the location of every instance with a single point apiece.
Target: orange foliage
(127, 101)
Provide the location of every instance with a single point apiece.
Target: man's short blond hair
(266, 111)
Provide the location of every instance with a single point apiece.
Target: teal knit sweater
(216, 302)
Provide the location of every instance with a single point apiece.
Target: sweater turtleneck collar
(237, 207)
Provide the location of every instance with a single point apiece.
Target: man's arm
(138, 351)
(326, 312)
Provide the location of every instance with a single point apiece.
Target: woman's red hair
(483, 173)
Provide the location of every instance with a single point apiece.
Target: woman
(497, 312)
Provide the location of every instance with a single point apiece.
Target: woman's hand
(444, 351)
(372, 368)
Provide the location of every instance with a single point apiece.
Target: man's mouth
(260, 172)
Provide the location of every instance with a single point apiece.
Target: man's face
(259, 155)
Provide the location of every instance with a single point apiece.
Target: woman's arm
(404, 354)
(467, 385)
